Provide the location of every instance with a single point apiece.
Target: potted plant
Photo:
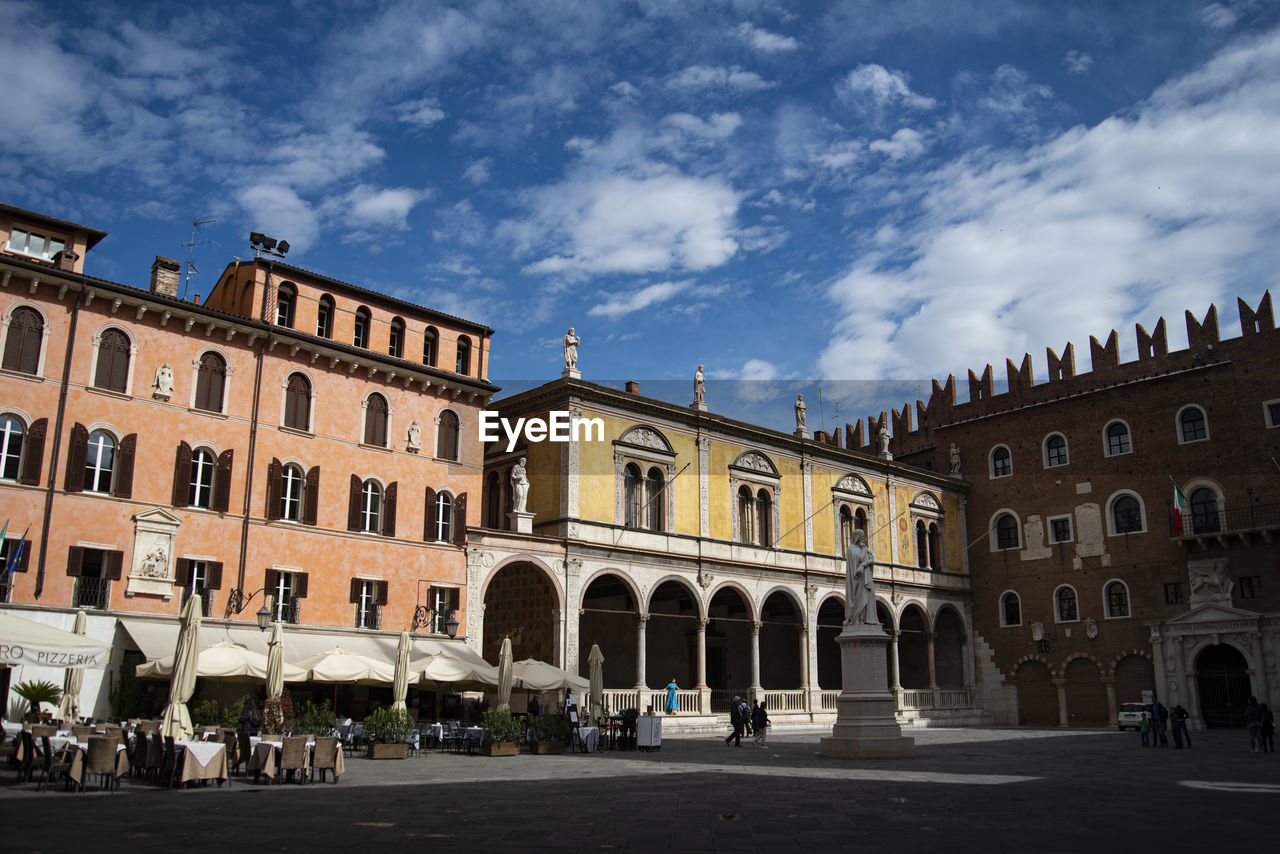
(36, 693)
(501, 733)
(388, 731)
(278, 716)
(548, 734)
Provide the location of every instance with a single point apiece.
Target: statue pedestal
(698, 406)
(521, 523)
(866, 727)
(801, 433)
(571, 374)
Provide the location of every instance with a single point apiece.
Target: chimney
(66, 260)
(164, 276)
(633, 387)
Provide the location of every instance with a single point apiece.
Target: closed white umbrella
(400, 685)
(596, 660)
(505, 668)
(182, 684)
(275, 662)
(69, 708)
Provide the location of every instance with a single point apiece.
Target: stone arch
(608, 612)
(646, 436)
(828, 623)
(1132, 673)
(671, 635)
(757, 462)
(1086, 696)
(730, 615)
(949, 646)
(913, 646)
(1223, 672)
(522, 598)
(884, 612)
(1037, 695)
(782, 648)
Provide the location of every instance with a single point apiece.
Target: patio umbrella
(538, 676)
(223, 660)
(275, 662)
(596, 660)
(182, 683)
(69, 708)
(400, 685)
(339, 666)
(505, 668)
(465, 672)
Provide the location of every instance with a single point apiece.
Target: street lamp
(237, 602)
(423, 615)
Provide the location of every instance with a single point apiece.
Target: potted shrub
(36, 693)
(388, 730)
(501, 733)
(548, 734)
(278, 716)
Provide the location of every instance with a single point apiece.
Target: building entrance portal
(521, 603)
(1222, 675)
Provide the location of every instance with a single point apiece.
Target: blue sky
(785, 192)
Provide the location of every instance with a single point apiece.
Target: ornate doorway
(1222, 675)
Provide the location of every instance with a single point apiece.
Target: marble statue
(883, 435)
(163, 382)
(414, 436)
(859, 582)
(571, 342)
(156, 563)
(955, 459)
(699, 386)
(800, 412)
(519, 487)
(1210, 582)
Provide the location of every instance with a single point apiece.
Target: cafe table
(265, 758)
(202, 760)
(590, 738)
(80, 756)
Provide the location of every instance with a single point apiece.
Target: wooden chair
(325, 757)
(101, 760)
(155, 756)
(53, 766)
(293, 757)
(38, 730)
(169, 762)
(244, 751)
(82, 733)
(27, 761)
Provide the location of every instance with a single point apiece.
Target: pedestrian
(1179, 717)
(1253, 720)
(745, 712)
(1160, 723)
(735, 718)
(535, 708)
(1145, 729)
(1268, 730)
(760, 723)
(672, 688)
(250, 717)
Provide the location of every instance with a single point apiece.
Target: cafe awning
(28, 642)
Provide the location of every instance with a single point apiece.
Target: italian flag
(1179, 505)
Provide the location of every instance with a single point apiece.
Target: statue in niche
(699, 386)
(414, 436)
(519, 487)
(800, 412)
(163, 382)
(156, 563)
(571, 342)
(955, 459)
(859, 582)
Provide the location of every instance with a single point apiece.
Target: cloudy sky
(861, 194)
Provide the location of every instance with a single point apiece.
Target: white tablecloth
(590, 737)
(203, 751)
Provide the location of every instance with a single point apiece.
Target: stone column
(1061, 683)
(893, 661)
(1180, 677)
(642, 622)
(1259, 678)
(702, 654)
(1112, 709)
(929, 638)
(755, 660)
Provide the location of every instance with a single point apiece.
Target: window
(653, 495)
(846, 528)
(493, 510)
(93, 570)
(430, 340)
(1126, 515)
(288, 589)
(368, 595)
(395, 342)
(202, 473)
(1001, 462)
(286, 298)
(463, 365)
(23, 340)
(447, 436)
(8, 551)
(1270, 409)
(324, 317)
(375, 421)
(371, 507)
(1173, 593)
(12, 432)
(1059, 529)
(99, 462)
(764, 520)
(1064, 601)
(1117, 596)
(1204, 511)
(297, 403)
(291, 486)
(198, 578)
(746, 515)
(202, 480)
(37, 245)
(1010, 609)
(632, 496)
(444, 518)
(292, 495)
(443, 601)
(1117, 438)
(363, 321)
(1055, 451)
(1250, 586)
(211, 379)
(1006, 532)
(112, 372)
(1191, 425)
(860, 521)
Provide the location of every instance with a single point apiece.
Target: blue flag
(16, 558)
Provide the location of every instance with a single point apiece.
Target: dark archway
(1222, 675)
(782, 653)
(1134, 674)
(1086, 696)
(671, 637)
(913, 649)
(521, 603)
(728, 647)
(1037, 695)
(830, 624)
(886, 623)
(948, 649)
(609, 617)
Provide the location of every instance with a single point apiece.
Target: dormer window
(40, 246)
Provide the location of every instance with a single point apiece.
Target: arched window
(764, 510)
(1204, 511)
(1001, 462)
(1118, 438)
(211, 379)
(447, 437)
(1192, 424)
(430, 340)
(922, 544)
(297, 403)
(324, 317)
(632, 496)
(846, 528)
(1055, 451)
(24, 340)
(1064, 605)
(935, 546)
(493, 500)
(1126, 515)
(464, 356)
(286, 298)
(860, 520)
(291, 486)
(363, 321)
(1006, 532)
(203, 466)
(444, 517)
(395, 341)
(371, 507)
(653, 499)
(1117, 599)
(746, 515)
(1010, 609)
(99, 462)
(112, 371)
(12, 431)
(375, 421)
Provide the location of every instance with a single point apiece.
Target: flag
(1179, 504)
(4, 530)
(16, 558)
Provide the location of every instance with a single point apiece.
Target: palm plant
(36, 693)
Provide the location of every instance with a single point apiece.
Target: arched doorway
(609, 617)
(671, 637)
(1134, 674)
(886, 623)
(1086, 696)
(522, 604)
(782, 653)
(948, 649)
(1037, 696)
(1222, 675)
(830, 624)
(728, 648)
(913, 649)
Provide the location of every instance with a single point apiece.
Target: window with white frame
(444, 517)
(1010, 609)
(211, 381)
(1001, 461)
(324, 317)
(1060, 529)
(43, 246)
(112, 368)
(286, 299)
(443, 602)
(1192, 425)
(286, 588)
(99, 462)
(851, 497)
(1117, 439)
(1055, 450)
(203, 470)
(364, 320)
(368, 595)
(1005, 532)
(371, 507)
(24, 338)
(1065, 608)
(12, 434)
(1125, 514)
(1117, 598)
(1271, 413)
(292, 482)
(376, 415)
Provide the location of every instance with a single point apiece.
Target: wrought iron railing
(92, 593)
(206, 604)
(369, 617)
(1202, 522)
(288, 610)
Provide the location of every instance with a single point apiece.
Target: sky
(853, 195)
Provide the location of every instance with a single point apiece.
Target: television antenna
(191, 245)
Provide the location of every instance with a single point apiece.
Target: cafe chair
(101, 760)
(325, 757)
(293, 757)
(82, 733)
(53, 766)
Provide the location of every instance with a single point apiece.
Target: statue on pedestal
(571, 342)
(163, 383)
(955, 459)
(859, 582)
(800, 412)
(519, 487)
(699, 386)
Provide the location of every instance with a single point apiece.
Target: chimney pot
(66, 260)
(633, 387)
(164, 276)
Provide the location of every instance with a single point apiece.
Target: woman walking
(760, 723)
(672, 688)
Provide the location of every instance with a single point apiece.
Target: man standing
(1179, 717)
(735, 718)
(1160, 722)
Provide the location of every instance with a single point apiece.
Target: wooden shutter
(460, 520)
(271, 583)
(389, 510)
(275, 487)
(182, 476)
(429, 529)
(311, 496)
(380, 592)
(213, 576)
(182, 572)
(222, 480)
(33, 454)
(353, 505)
(356, 584)
(300, 585)
(77, 450)
(75, 560)
(124, 467)
(113, 564)
(455, 598)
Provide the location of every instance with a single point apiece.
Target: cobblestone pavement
(966, 790)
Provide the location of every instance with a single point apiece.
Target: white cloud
(366, 206)
(619, 306)
(765, 41)
(1221, 16)
(1169, 206)
(313, 160)
(1077, 62)
(1012, 94)
(421, 114)
(874, 87)
(719, 126)
(698, 78)
(478, 171)
(903, 145)
(279, 211)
